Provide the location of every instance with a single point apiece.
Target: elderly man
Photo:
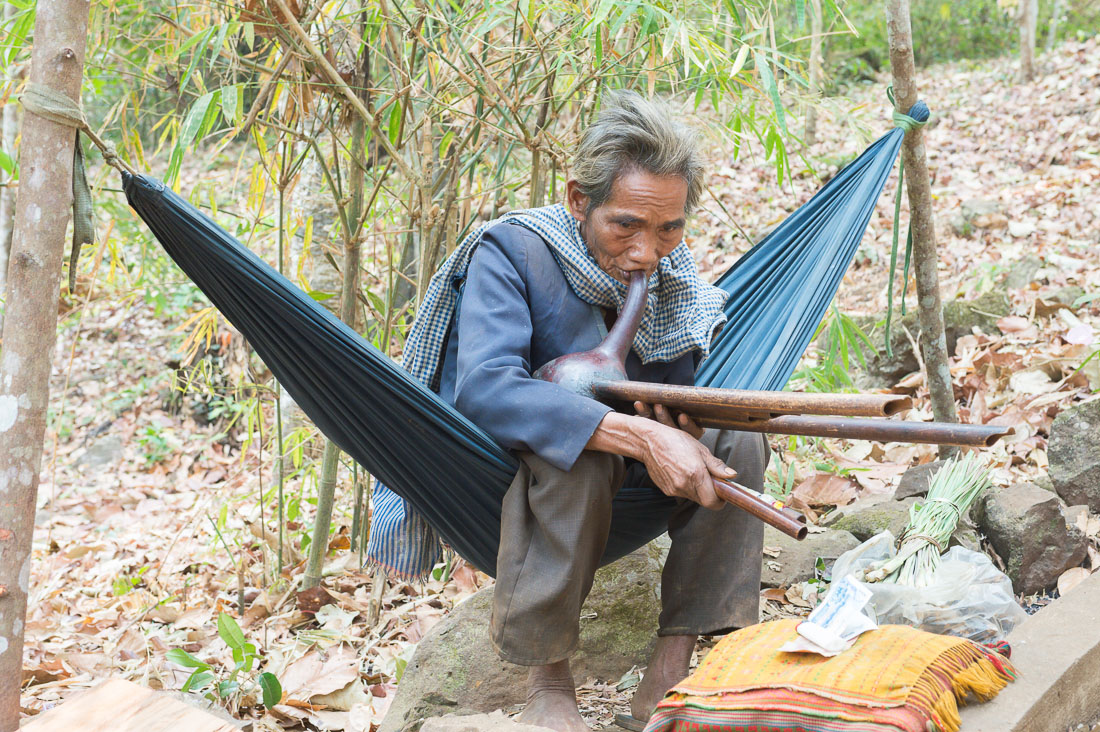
(542, 283)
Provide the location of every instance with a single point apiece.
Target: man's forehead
(643, 194)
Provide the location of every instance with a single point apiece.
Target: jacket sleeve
(493, 386)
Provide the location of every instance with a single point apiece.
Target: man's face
(642, 221)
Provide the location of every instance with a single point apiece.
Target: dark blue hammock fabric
(446, 467)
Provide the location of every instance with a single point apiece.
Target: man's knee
(746, 452)
(593, 471)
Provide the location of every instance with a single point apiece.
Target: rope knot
(916, 117)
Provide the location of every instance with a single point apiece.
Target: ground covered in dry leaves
(149, 521)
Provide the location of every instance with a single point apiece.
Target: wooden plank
(117, 705)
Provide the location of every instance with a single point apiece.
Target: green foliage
(779, 481)
(838, 338)
(125, 583)
(943, 31)
(226, 684)
(156, 444)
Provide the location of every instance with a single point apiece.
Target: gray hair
(634, 132)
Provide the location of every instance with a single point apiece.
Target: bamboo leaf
(194, 119)
(768, 80)
(739, 62)
(395, 122)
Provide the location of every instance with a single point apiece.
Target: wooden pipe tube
(707, 401)
(879, 430)
(771, 512)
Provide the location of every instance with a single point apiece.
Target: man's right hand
(678, 464)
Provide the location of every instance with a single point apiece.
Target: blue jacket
(518, 312)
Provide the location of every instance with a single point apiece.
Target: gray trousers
(554, 528)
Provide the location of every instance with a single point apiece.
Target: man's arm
(493, 385)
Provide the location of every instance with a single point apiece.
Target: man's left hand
(661, 413)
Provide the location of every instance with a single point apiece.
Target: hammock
(445, 466)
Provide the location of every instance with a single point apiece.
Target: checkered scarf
(680, 316)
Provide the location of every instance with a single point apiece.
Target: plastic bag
(968, 596)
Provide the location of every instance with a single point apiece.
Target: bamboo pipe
(880, 430)
(733, 403)
(771, 511)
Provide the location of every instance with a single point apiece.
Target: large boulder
(456, 670)
(870, 516)
(1027, 527)
(788, 561)
(1074, 455)
(960, 318)
(494, 722)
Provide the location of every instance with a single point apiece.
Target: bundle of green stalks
(952, 491)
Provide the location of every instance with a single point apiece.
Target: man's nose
(643, 251)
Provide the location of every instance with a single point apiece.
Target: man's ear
(577, 201)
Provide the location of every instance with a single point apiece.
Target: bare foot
(552, 699)
(668, 666)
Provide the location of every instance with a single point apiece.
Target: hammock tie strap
(57, 107)
(907, 124)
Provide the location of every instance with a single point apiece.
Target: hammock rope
(907, 124)
(48, 103)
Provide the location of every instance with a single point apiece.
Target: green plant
(219, 685)
(838, 338)
(779, 481)
(156, 445)
(125, 583)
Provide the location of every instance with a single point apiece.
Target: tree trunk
(917, 185)
(41, 219)
(1052, 30)
(9, 130)
(816, 42)
(1029, 18)
(349, 301)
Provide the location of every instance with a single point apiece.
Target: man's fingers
(707, 495)
(664, 416)
(719, 469)
(643, 410)
(687, 424)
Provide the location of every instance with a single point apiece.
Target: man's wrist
(622, 434)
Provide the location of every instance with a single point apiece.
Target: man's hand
(678, 463)
(662, 414)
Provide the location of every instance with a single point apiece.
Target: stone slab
(1057, 654)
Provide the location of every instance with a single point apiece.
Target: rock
(914, 481)
(867, 517)
(960, 318)
(967, 538)
(106, 450)
(1027, 527)
(1022, 272)
(455, 668)
(1067, 295)
(982, 213)
(796, 559)
(972, 207)
(1074, 455)
(493, 722)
